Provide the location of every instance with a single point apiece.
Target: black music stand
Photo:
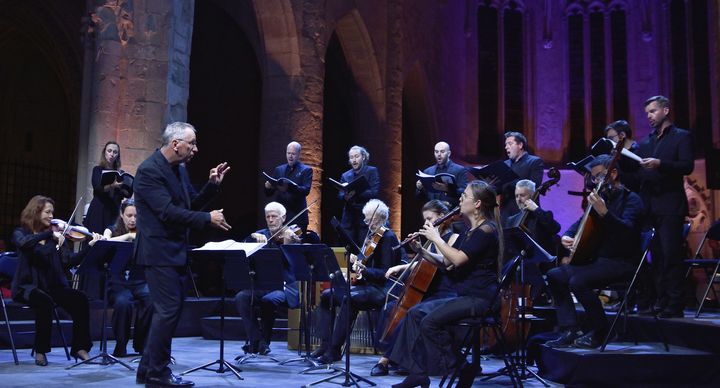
(308, 263)
(530, 252)
(350, 378)
(260, 273)
(108, 258)
(224, 256)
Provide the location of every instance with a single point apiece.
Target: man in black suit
(449, 193)
(289, 195)
(167, 207)
(526, 166)
(668, 155)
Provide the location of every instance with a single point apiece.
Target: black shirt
(478, 276)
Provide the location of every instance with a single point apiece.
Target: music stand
(308, 263)
(108, 258)
(530, 252)
(236, 255)
(350, 378)
(261, 274)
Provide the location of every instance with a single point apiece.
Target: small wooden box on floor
(361, 340)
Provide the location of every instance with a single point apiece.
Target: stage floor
(193, 351)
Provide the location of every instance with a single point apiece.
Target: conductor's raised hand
(218, 220)
(217, 174)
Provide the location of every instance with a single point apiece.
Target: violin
(449, 217)
(296, 232)
(368, 247)
(74, 233)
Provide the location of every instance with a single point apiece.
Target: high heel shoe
(413, 381)
(83, 357)
(41, 362)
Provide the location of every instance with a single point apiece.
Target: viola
(368, 248)
(74, 233)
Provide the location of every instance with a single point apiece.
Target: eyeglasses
(597, 178)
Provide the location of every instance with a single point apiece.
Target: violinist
(129, 290)
(352, 217)
(619, 211)
(292, 196)
(40, 280)
(424, 343)
(539, 223)
(367, 293)
(259, 335)
(441, 286)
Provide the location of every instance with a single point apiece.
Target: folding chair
(8, 264)
(713, 234)
(490, 320)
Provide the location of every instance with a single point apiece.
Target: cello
(416, 284)
(517, 296)
(586, 239)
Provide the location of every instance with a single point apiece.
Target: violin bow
(67, 227)
(291, 220)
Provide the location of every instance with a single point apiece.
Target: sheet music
(231, 245)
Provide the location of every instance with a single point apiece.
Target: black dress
(424, 344)
(105, 206)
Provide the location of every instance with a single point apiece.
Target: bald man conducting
(449, 193)
(293, 197)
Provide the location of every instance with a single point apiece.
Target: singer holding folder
(352, 217)
(105, 205)
(292, 196)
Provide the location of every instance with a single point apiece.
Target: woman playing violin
(441, 286)
(367, 293)
(424, 343)
(105, 205)
(40, 279)
(129, 289)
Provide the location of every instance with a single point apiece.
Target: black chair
(646, 239)
(489, 320)
(8, 265)
(709, 266)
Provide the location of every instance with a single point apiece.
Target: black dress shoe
(379, 369)
(671, 313)
(565, 341)
(590, 340)
(413, 381)
(169, 381)
(317, 353)
(329, 357)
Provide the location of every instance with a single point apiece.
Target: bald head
(293, 153)
(442, 152)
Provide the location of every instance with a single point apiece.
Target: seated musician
(618, 211)
(128, 290)
(269, 301)
(424, 342)
(368, 292)
(40, 281)
(440, 287)
(541, 226)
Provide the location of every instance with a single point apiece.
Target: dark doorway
(340, 98)
(40, 76)
(224, 105)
